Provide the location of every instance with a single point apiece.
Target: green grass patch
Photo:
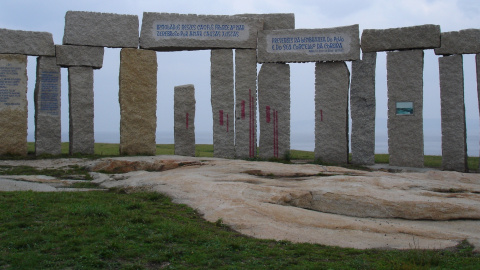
(124, 230)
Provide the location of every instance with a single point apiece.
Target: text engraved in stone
(9, 82)
(334, 43)
(200, 31)
(49, 92)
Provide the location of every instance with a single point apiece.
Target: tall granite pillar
(332, 81)
(81, 110)
(184, 118)
(405, 107)
(222, 103)
(274, 106)
(246, 103)
(454, 137)
(477, 60)
(48, 129)
(362, 108)
(138, 101)
(13, 104)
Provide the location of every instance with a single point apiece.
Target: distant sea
(302, 141)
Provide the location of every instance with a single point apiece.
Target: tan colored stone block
(138, 101)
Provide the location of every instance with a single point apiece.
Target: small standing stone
(332, 81)
(13, 104)
(184, 118)
(246, 103)
(81, 110)
(362, 99)
(405, 108)
(477, 61)
(454, 137)
(274, 106)
(222, 103)
(138, 101)
(48, 129)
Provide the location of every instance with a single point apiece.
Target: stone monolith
(48, 128)
(138, 101)
(332, 81)
(13, 104)
(454, 136)
(362, 109)
(184, 118)
(81, 110)
(274, 106)
(405, 108)
(26, 43)
(222, 103)
(246, 103)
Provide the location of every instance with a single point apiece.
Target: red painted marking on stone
(227, 122)
(186, 116)
(321, 115)
(243, 109)
(267, 111)
(220, 119)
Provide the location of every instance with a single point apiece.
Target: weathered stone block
(48, 91)
(309, 45)
(460, 42)
(184, 118)
(81, 110)
(13, 104)
(222, 103)
(477, 61)
(405, 108)
(274, 21)
(26, 43)
(174, 32)
(414, 37)
(332, 81)
(101, 29)
(246, 103)
(138, 101)
(362, 108)
(274, 106)
(74, 56)
(454, 136)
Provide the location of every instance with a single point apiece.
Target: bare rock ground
(304, 203)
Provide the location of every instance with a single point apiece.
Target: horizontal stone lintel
(404, 38)
(465, 41)
(309, 45)
(26, 43)
(75, 56)
(101, 29)
(179, 32)
(274, 21)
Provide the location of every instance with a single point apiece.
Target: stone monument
(184, 114)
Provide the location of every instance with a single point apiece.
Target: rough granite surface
(26, 43)
(184, 120)
(222, 100)
(246, 103)
(477, 61)
(309, 45)
(274, 21)
(362, 109)
(404, 38)
(13, 109)
(48, 92)
(101, 29)
(81, 110)
(454, 134)
(332, 81)
(460, 42)
(138, 101)
(274, 106)
(405, 84)
(197, 32)
(74, 56)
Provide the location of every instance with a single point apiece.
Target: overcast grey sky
(177, 68)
